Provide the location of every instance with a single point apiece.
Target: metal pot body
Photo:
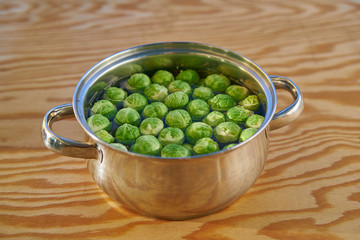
(184, 188)
(180, 188)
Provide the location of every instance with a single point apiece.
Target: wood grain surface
(310, 187)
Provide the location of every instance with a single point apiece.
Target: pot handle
(292, 112)
(62, 145)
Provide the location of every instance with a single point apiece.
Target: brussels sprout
(198, 130)
(136, 101)
(238, 93)
(262, 98)
(171, 135)
(238, 114)
(229, 146)
(191, 61)
(127, 134)
(254, 121)
(203, 93)
(218, 83)
(147, 144)
(155, 109)
(127, 115)
(198, 109)
(246, 134)
(105, 136)
(98, 122)
(178, 118)
(221, 102)
(227, 132)
(190, 76)
(115, 95)
(138, 82)
(156, 92)
(157, 62)
(251, 102)
(189, 147)
(127, 69)
(175, 151)
(104, 107)
(176, 100)
(205, 145)
(162, 77)
(214, 118)
(97, 87)
(151, 126)
(179, 86)
(119, 146)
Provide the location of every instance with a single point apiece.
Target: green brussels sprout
(105, 108)
(136, 101)
(171, 135)
(175, 151)
(198, 109)
(157, 62)
(189, 147)
(119, 146)
(198, 130)
(190, 61)
(214, 118)
(127, 134)
(205, 146)
(246, 134)
(151, 126)
(221, 102)
(202, 84)
(155, 109)
(176, 100)
(147, 144)
(227, 132)
(99, 122)
(97, 87)
(115, 95)
(218, 83)
(262, 98)
(162, 77)
(229, 146)
(127, 69)
(251, 102)
(138, 82)
(190, 76)
(178, 118)
(156, 92)
(238, 93)
(179, 86)
(105, 136)
(254, 121)
(203, 93)
(127, 115)
(238, 114)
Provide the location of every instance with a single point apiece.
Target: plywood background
(310, 187)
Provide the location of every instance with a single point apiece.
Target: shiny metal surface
(173, 189)
(62, 145)
(179, 189)
(292, 112)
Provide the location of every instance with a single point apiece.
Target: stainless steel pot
(174, 189)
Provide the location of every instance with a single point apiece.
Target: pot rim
(95, 71)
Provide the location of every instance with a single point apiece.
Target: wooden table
(310, 187)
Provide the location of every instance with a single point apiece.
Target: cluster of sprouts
(175, 116)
